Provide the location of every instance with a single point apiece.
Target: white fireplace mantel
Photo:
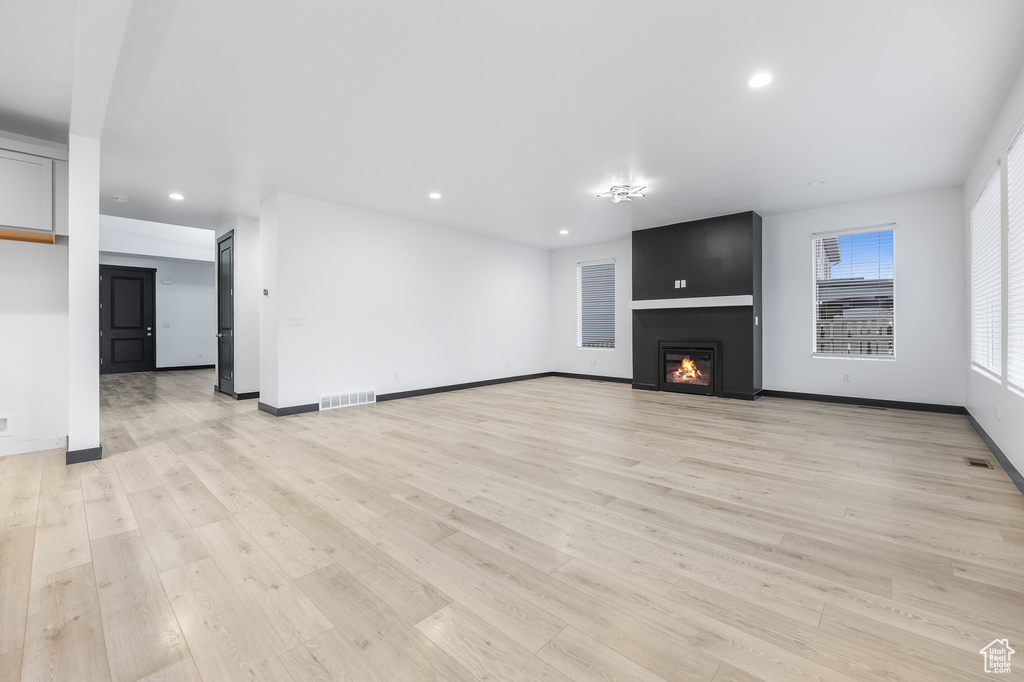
(697, 302)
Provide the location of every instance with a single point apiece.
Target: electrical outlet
(999, 416)
(508, 363)
(846, 376)
(6, 425)
(200, 356)
(396, 375)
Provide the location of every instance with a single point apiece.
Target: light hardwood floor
(552, 529)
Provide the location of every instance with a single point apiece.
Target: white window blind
(1015, 260)
(596, 292)
(986, 279)
(854, 312)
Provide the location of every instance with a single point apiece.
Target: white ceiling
(519, 112)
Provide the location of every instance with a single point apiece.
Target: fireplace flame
(687, 372)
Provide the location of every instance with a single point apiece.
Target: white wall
(145, 238)
(929, 300)
(379, 297)
(985, 396)
(270, 328)
(248, 287)
(186, 311)
(34, 339)
(566, 356)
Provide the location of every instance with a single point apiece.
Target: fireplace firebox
(688, 368)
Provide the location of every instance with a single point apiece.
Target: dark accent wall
(717, 257)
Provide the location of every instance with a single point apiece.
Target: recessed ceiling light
(815, 183)
(176, 196)
(760, 80)
(563, 232)
(120, 199)
(435, 195)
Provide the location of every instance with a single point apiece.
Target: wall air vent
(330, 402)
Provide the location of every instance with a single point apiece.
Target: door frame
(150, 275)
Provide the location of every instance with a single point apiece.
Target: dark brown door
(127, 319)
(226, 314)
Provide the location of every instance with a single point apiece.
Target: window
(1015, 267)
(986, 280)
(853, 293)
(596, 292)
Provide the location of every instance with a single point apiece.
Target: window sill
(987, 373)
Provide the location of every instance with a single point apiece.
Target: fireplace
(688, 367)
(697, 287)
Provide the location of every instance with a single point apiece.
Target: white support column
(99, 34)
(83, 299)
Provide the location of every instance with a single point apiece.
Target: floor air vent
(979, 462)
(330, 402)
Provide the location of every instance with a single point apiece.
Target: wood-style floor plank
(581, 658)
(16, 549)
(106, 504)
(550, 529)
(10, 666)
(170, 539)
(140, 630)
(227, 642)
(19, 493)
(64, 634)
(330, 657)
(263, 585)
(483, 650)
(397, 651)
(182, 671)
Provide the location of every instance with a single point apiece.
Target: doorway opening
(226, 315)
(127, 319)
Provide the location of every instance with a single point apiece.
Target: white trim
(854, 230)
(987, 373)
(33, 146)
(852, 356)
(696, 302)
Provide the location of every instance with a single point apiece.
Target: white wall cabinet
(33, 184)
(26, 191)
